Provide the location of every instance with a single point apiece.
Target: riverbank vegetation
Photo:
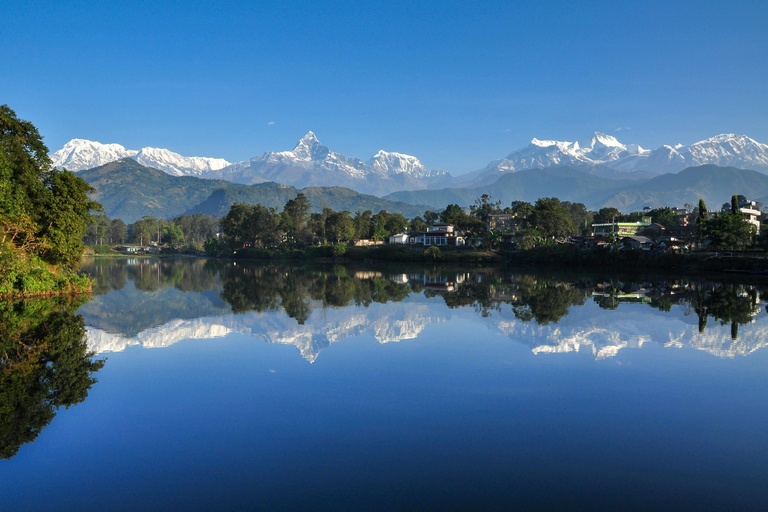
(43, 215)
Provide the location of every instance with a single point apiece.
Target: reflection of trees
(151, 274)
(726, 303)
(44, 365)
(545, 302)
(531, 298)
(250, 288)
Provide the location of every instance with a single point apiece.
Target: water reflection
(162, 302)
(44, 365)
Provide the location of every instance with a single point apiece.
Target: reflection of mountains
(385, 322)
(631, 326)
(156, 304)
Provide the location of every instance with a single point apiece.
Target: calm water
(253, 387)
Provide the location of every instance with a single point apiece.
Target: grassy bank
(32, 277)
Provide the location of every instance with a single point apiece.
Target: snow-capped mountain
(177, 165)
(80, 154)
(725, 150)
(310, 163)
(398, 163)
(604, 154)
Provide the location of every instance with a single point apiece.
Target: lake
(202, 385)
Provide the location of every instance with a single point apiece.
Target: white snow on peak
(177, 165)
(387, 162)
(309, 148)
(81, 154)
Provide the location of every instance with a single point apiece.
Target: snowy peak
(177, 165)
(608, 153)
(601, 140)
(396, 163)
(309, 148)
(80, 154)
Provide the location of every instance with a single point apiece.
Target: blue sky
(456, 84)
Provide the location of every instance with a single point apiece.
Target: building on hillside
(400, 238)
(621, 228)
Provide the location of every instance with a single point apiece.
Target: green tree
(339, 226)
(550, 218)
(607, 215)
(43, 210)
(701, 220)
(362, 223)
(729, 231)
(417, 224)
(483, 207)
(294, 218)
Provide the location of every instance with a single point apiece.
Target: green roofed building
(621, 228)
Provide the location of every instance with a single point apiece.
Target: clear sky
(456, 84)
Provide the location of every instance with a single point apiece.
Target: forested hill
(712, 183)
(563, 182)
(128, 190)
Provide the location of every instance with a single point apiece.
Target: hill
(129, 191)
(714, 184)
(565, 183)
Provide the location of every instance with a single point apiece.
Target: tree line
(545, 221)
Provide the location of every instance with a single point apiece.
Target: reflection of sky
(461, 419)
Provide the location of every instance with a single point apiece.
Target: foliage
(729, 231)
(433, 253)
(44, 212)
(550, 218)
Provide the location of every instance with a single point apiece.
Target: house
(442, 234)
(400, 238)
(751, 212)
(637, 242)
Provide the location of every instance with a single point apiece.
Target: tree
(431, 217)
(606, 215)
(729, 231)
(522, 210)
(483, 207)
(362, 224)
(339, 226)
(172, 235)
(453, 214)
(48, 209)
(417, 224)
(294, 218)
(117, 231)
(551, 218)
(702, 219)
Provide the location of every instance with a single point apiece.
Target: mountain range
(604, 156)
(598, 171)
